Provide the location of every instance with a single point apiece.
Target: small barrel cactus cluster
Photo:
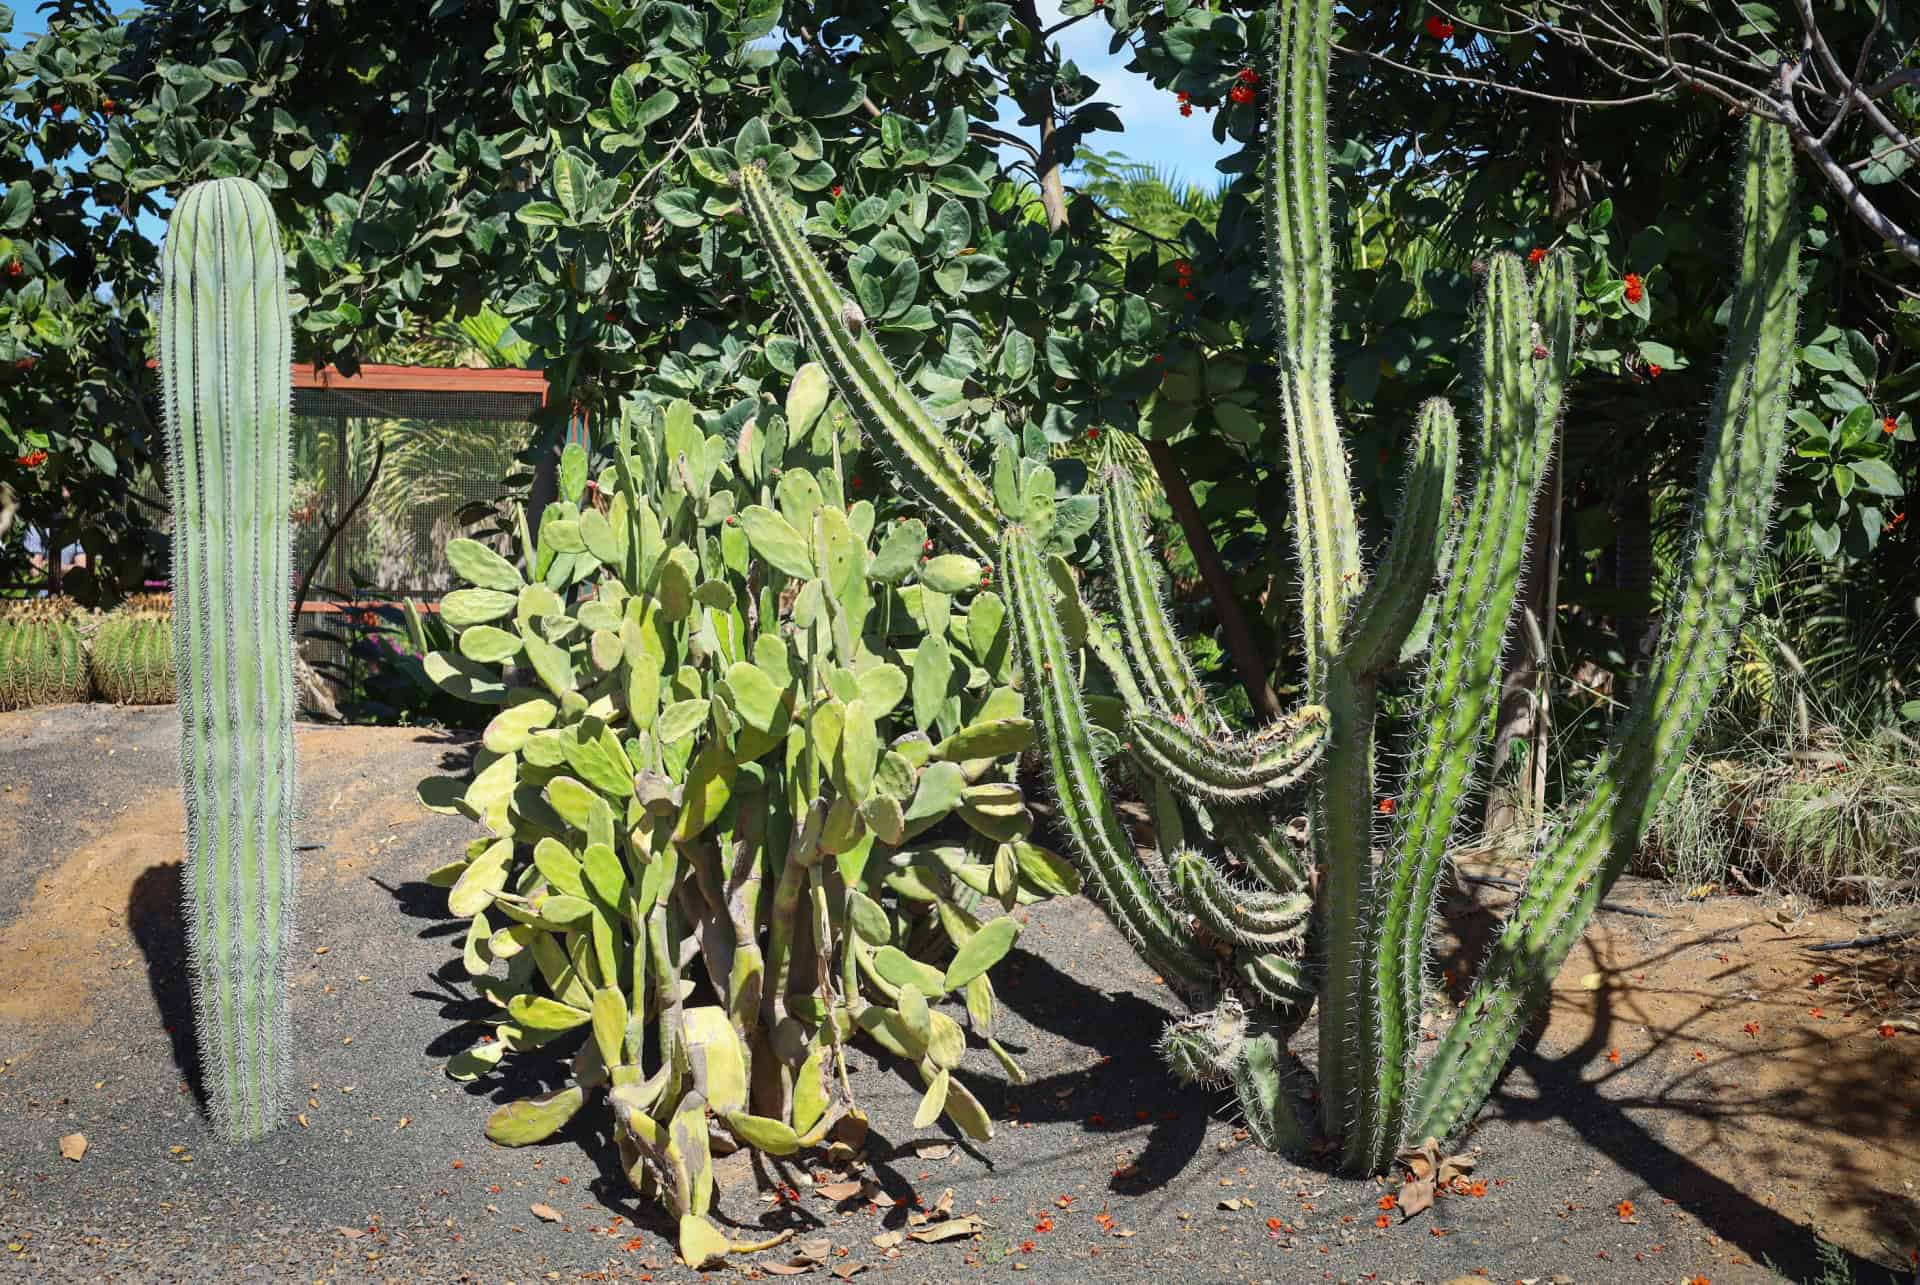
(132, 652)
(749, 795)
(43, 654)
(1221, 906)
(53, 652)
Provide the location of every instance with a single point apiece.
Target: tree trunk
(1248, 662)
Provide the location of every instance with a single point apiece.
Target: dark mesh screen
(445, 450)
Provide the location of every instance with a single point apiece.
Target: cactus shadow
(1101, 1098)
(156, 918)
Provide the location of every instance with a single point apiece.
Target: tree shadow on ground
(1627, 1127)
(156, 917)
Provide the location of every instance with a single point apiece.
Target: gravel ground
(1102, 1165)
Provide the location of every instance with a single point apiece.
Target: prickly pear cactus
(1220, 907)
(43, 658)
(748, 795)
(132, 654)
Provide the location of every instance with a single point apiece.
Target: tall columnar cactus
(1221, 910)
(225, 348)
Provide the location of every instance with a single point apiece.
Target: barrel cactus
(748, 794)
(132, 653)
(43, 656)
(1220, 909)
(225, 353)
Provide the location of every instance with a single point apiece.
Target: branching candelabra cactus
(225, 349)
(1225, 923)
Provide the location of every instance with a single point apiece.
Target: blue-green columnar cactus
(225, 348)
(1221, 910)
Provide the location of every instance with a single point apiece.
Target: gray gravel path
(386, 1175)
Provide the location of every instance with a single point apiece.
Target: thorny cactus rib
(1370, 942)
(225, 348)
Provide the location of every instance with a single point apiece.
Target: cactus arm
(1278, 980)
(1260, 1084)
(1231, 912)
(1220, 770)
(1106, 648)
(1115, 874)
(1147, 633)
(1727, 532)
(1524, 353)
(1299, 241)
(890, 417)
(225, 353)
(1386, 613)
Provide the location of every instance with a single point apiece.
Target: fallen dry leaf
(942, 1209)
(351, 1233)
(1231, 1205)
(839, 1191)
(888, 1239)
(847, 1271)
(788, 1269)
(812, 1251)
(933, 1150)
(73, 1146)
(951, 1229)
(545, 1213)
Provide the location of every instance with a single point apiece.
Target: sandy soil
(1754, 1106)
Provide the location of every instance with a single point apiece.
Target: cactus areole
(1222, 910)
(225, 348)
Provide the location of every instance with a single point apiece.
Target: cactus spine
(1236, 951)
(225, 348)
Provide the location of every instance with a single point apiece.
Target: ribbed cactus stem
(1739, 467)
(225, 349)
(1236, 912)
(1158, 656)
(891, 418)
(1229, 770)
(1526, 338)
(1384, 616)
(1299, 250)
(1114, 872)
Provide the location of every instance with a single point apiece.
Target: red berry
(1438, 27)
(1249, 76)
(1240, 94)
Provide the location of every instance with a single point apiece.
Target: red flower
(106, 105)
(1624, 1209)
(1653, 370)
(1388, 1201)
(1438, 27)
(1536, 254)
(836, 191)
(1248, 76)
(1387, 806)
(1093, 435)
(1886, 1030)
(1182, 96)
(1889, 426)
(1818, 979)
(1240, 94)
(1636, 288)
(14, 269)
(32, 459)
(1382, 1220)
(1186, 109)
(56, 107)
(856, 483)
